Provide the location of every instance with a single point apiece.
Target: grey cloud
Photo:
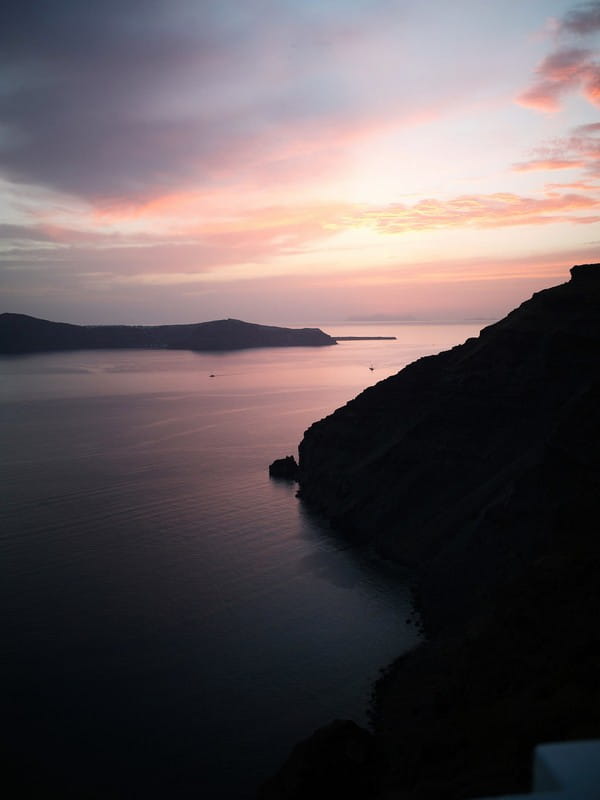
(563, 65)
(583, 19)
(84, 116)
(124, 98)
(23, 233)
(120, 98)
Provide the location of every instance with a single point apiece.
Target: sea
(173, 620)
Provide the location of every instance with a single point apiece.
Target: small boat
(212, 375)
(371, 367)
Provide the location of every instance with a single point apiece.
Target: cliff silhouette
(20, 333)
(479, 469)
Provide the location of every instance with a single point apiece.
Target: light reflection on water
(174, 619)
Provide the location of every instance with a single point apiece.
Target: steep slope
(20, 333)
(461, 464)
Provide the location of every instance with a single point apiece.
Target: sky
(295, 161)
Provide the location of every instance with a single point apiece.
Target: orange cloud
(480, 211)
(546, 163)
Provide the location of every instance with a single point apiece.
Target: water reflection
(169, 610)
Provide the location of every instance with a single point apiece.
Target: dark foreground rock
(286, 468)
(480, 468)
(337, 761)
(20, 333)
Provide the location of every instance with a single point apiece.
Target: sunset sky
(295, 161)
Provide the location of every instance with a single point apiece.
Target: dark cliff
(461, 464)
(20, 333)
(480, 468)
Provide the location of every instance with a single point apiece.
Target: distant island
(479, 470)
(21, 334)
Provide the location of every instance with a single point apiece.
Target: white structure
(563, 771)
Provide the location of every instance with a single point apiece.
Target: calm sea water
(173, 621)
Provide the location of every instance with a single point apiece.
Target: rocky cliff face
(481, 468)
(464, 464)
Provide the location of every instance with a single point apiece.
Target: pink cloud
(584, 143)
(195, 246)
(591, 84)
(559, 73)
(581, 150)
(580, 186)
(568, 68)
(541, 97)
(564, 65)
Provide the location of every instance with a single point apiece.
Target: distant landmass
(478, 469)
(20, 333)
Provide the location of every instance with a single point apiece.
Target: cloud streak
(269, 236)
(482, 211)
(579, 150)
(543, 164)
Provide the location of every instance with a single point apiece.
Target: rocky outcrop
(286, 468)
(480, 468)
(20, 333)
